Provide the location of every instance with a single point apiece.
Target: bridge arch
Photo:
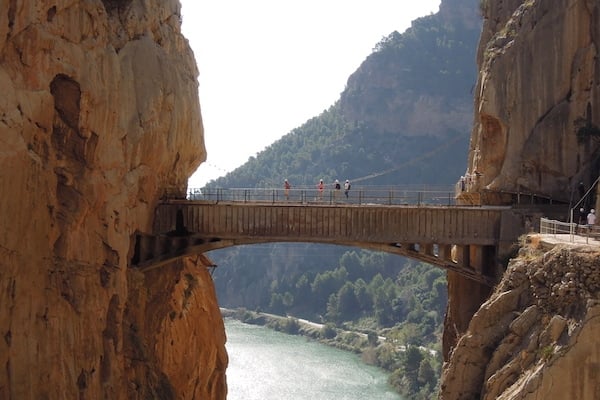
(460, 239)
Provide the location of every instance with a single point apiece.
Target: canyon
(100, 119)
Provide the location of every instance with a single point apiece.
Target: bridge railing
(569, 231)
(409, 195)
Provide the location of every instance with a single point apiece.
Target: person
(337, 188)
(581, 221)
(347, 187)
(287, 186)
(321, 187)
(591, 220)
(462, 183)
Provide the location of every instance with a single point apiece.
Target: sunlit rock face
(538, 82)
(537, 335)
(99, 118)
(537, 88)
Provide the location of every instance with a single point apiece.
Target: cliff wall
(538, 86)
(536, 337)
(538, 82)
(99, 117)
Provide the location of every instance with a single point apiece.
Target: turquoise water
(269, 365)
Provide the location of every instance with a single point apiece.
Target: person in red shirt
(321, 187)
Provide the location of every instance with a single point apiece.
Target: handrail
(563, 230)
(382, 195)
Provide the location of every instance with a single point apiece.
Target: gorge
(99, 120)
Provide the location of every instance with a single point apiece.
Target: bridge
(423, 225)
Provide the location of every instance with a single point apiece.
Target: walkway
(463, 239)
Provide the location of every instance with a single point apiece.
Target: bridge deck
(333, 223)
(458, 238)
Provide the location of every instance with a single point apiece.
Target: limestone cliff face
(538, 77)
(536, 337)
(99, 117)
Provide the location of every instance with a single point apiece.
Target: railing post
(572, 228)
(390, 197)
(273, 196)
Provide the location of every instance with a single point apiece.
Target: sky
(268, 66)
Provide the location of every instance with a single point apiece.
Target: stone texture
(536, 337)
(99, 118)
(538, 75)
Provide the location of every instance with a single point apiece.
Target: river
(269, 365)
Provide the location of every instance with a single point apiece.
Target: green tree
(347, 303)
(426, 375)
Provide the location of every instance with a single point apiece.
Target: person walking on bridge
(337, 187)
(347, 187)
(286, 188)
(321, 187)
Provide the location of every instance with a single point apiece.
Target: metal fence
(571, 232)
(553, 227)
(409, 195)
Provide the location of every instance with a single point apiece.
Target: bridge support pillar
(465, 296)
(427, 249)
(463, 255)
(445, 252)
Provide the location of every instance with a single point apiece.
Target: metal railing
(365, 195)
(568, 231)
(553, 227)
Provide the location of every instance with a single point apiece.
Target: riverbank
(353, 341)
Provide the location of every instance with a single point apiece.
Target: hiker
(321, 187)
(337, 188)
(347, 187)
(286, 187)
(582, 220)
(591, 220)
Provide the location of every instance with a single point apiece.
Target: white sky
(267, 66)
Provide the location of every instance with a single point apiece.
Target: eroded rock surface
(538, 82)
(536, 337)
(99, 118)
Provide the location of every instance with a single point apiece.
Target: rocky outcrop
(536, 337)
(99, 118)
(538, 86)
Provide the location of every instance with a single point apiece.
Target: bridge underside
(471, 261)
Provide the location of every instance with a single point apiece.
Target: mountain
(404, 113)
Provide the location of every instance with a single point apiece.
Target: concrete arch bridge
(423, 225)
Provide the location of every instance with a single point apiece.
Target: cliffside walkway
(423, 225)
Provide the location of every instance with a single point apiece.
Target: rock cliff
(99, 117)
(538, 83)
(535, 131)
(536, 337)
